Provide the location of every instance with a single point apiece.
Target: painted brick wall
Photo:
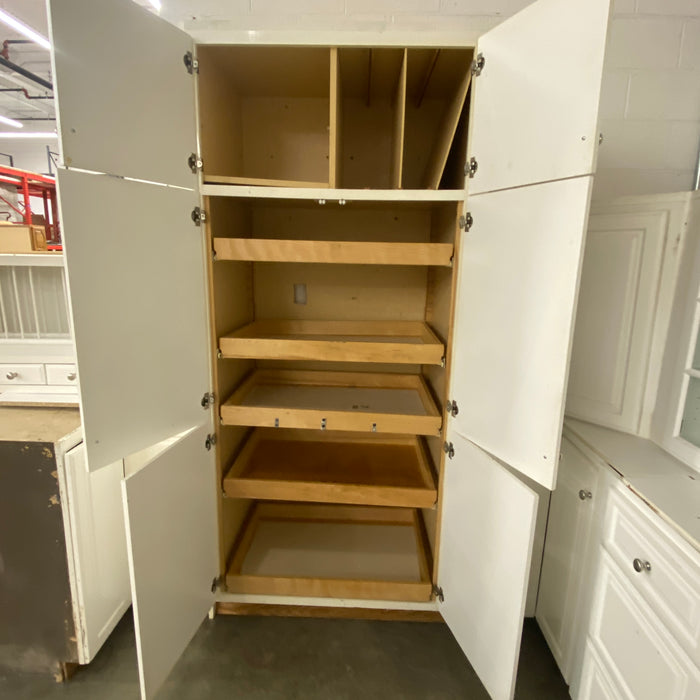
(650, 113)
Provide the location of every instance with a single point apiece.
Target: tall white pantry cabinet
(180, 227)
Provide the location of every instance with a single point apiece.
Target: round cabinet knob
(584, 495)
(12, 375)
(641, 565)
(71, 377)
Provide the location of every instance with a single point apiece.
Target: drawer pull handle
(583, 494)
(640, 565)
(12, 375)
(71, 377)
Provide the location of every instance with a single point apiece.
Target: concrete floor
(266, 658)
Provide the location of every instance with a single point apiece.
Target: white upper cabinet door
(171, 522)
(519, 268)
(535, 112)
(125, 99)
(137, 291)
(488, 524)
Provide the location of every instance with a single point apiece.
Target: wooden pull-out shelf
(332, 551)
(339, 252)
(260, 182)
(361, 402)
(297, 465)
(405, 342)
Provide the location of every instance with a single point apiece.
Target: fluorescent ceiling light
(11, 122)
(156, 3)
(23, 29)
(28, 135)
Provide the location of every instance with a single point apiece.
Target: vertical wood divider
(336, 110)
(399, 124)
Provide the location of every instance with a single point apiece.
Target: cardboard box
(18, 238)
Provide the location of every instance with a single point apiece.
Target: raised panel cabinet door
(564, 574)
(169, 496)
(519, 268)
(125, 100)
(486, 539)
(595, 679)
(535, 111)
(137, 293)
(615, 318)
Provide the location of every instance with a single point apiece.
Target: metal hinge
(466, 221)
(449, 449)
(210, 441)
(437, 592)
(208, 399)
(478, 64)
(452, 408)
(471, 167)
(194, 162)
(199, 216)
(191, 63)
(215, 583)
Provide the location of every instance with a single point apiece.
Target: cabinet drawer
(61, 374)
(640, 653)
(671, 583)
(22, 374)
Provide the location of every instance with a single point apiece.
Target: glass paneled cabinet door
(137, 278)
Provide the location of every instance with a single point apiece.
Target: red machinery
(34, 185)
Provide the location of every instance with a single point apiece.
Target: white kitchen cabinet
(151, 309)
(566, 566)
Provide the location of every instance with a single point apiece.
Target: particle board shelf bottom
(350, 401)
(320, 467)
(332, 551)
(405, 342)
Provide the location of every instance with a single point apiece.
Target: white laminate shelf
(668, 486)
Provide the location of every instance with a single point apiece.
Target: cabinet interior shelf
(340, 252)
(260, 182)
(330, 468)
(332, 551)
(351, 401)
(405, 342)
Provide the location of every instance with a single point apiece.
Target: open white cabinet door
(136, 278)
(125, 99)
(519, 269)
(535, 110)
(488, 526)
(170, 513)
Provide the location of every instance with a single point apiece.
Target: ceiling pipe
(25, 73)
(26, 94)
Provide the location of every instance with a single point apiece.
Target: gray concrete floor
(266, 658)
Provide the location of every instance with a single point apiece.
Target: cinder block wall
(651, 93)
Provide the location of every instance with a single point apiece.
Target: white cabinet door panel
(487, 531)
(595, 679)
(615, 318)
(535, 112)
(125, 100)
(138, 299)
(518, 280)
(171, 519)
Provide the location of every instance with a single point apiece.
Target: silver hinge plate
(478, 64)
(471, 167)
(437, 592)
(210, 441)
(194, 162)
(449, 449)
(199, 216)
(452, 408)
(215, 583)
(466, 221)
(191, 63)
(208, 399)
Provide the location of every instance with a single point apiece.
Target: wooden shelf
(332, 551)
(405, 342)
(340, 252)
(330, 468)
(260, 182)
(352, 401)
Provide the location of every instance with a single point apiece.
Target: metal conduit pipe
(25, 73)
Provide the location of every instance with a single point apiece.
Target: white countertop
(669, 487)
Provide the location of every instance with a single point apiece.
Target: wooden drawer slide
(332, 468)
(405, 342)
(353, 401)
(332, 551)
